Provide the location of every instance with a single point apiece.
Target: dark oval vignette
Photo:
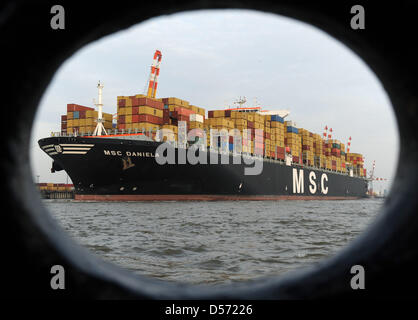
(33, 242)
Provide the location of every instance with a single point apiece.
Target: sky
(212, 57)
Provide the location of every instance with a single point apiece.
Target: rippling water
(214, 242)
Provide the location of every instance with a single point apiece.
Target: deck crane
(372, 178)
(153, 76)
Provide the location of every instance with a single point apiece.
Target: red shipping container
(250, 124)
(135, 102)
(280, 156)
(147, 102)
(334, 162)
(135, 118)
(183, 118)
(227, 113)
(64, 118)
(306, 147)
(210, 114)
(184, 112)
(158, 105)
(71, 107)
(121, 102)
(121, 119)
(82, 114)
(149, 119)
(63, 126)
(267, 135)
(122, 126)
(135, 110)
(295, 159)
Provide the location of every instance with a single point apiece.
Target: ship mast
(99, 127)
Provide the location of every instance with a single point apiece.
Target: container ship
(168, 149)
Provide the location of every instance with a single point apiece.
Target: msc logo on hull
(299, 183)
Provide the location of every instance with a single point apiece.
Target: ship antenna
(99, 127)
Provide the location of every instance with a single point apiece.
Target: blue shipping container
(76, 115)
(166, 106)
(292, 129)
(231, 147)
(277, 118)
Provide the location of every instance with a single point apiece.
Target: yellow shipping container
(128, 102)
(193, 108)
(122, 112)
(195, 125)
(150, 111)
(76, 122)
(148, 126)
(108, 125)
(219, 114)
(90, 122)
(82, 122)
(238, 115)
(128, 111)
(258, 117)
(92, 114)
(134, 126)
(224, 123)
(70, 123)
(201, 111)
(128, 119)
(107, 117)
(240, 122)
(70, 115)
(276, 124)
(170, 127)
(250, 117)
(173, 100)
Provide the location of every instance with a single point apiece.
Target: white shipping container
(196, 117)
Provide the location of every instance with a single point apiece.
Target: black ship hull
(122, 169)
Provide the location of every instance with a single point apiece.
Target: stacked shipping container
(139, 113)
(82, 120)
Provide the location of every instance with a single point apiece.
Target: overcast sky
(212, 57)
